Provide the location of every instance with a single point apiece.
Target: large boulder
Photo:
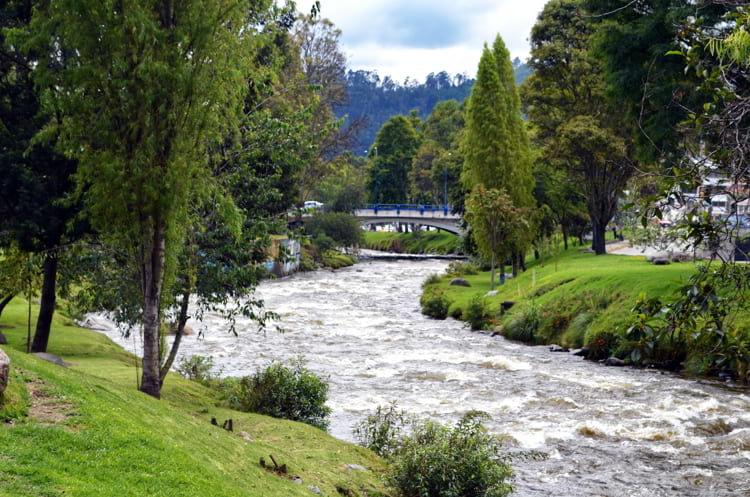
(459, 282)
(4, 371)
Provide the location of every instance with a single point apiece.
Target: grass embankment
(425, 242)
(575, 300)
(87, 431)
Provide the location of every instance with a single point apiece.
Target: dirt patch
(45, 407)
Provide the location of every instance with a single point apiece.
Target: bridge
(437, 216)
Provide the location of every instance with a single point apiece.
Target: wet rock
(460, 282)
(314, 489)
(557, 348)
(3, 340)
(583, 352)
(4, 371)
(50, 358)
(614, 361)
(355, 467)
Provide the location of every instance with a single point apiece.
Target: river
(606, 431)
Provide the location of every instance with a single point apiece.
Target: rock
(557, 348)
(246, 436)
(614, 361)
(491, 294)
(508, 276)
(460, 282)
(660, 261)
(4, 371)
(297, 480)
(314, 489)
(3, 340)
(50, 358)
(580, 352)
(355, 467)
(508, 304)
(682, 257)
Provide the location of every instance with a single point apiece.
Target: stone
(314, 489)
(557, 348)
(3, 340)
(583, 352)
(491, 294)
(246, 436)
(614, 361)
(4, 371)
(460, 282)
(660, 261)
(50, 358)
(355, 467)
(297, 480)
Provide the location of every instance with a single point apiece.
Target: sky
(413, 38)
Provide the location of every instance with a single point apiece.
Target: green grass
(425, 242)
(111, 439)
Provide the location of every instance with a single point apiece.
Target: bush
(432, 279)
(576, 333)
(476, 314)
(381, 432)
(440, 461)
(288, 392)
(523, 324)
(601, 344)
(344, 229)
(458, 269)
(198, 368)
(435, 305)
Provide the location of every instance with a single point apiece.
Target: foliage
(382, 431)
(458, 269)
(435, 304)
(602, 344)
(198, 368)
(443, 461)
(285, 391)
(425, 242)
(395, 147)
(432, 279)
(476, 314)
(342, 228)
(575, 335)
(524, 324)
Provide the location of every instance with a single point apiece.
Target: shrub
(456, 313)
(440, 461)
(198, 368)
(435, 305)
(288, 392)
(458, 268)
(343, 228)
(601, 344)
(575, 335)
(432, 279)
(381, 432)
(476, 314)
(523, 324)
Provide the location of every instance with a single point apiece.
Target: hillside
(86, 431)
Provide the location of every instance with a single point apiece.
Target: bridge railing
(408, 207)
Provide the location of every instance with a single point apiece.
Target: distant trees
(394, 151)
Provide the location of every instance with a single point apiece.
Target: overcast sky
(413, 38)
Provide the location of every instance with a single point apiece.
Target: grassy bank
(574, 300)
(86, 431)
(425, 242)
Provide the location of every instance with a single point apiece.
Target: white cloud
(414, 38)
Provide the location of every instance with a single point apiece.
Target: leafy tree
(37, 214)
(566, 101)
(344, 189)
(343, 228)
(143, 91)
(394, 150)
(496, 224)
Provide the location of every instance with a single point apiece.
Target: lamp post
(445, 186)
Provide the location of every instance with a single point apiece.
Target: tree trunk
(4, 302)
(492, 265)
(598, 242)
(522, 261)
(152, 274)
(47, 303)
(514, 264)
(565, 238)
(181, 320)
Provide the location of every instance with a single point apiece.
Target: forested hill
(379, 99)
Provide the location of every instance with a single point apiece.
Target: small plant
(432, 279)
(458, 268)
(441, 461)
(524, 324)
(575, 335)
(476, 314)
(381, 432)
(284, 391)
(435, 304)
(198, 368)
(602, 344)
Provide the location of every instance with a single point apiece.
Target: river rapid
(605, 431)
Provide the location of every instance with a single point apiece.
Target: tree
(144, 89)
(566, 101)
(36, 212)
(392, 155)
(496, 224)
(496, 147)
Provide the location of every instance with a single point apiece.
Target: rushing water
(607, 431)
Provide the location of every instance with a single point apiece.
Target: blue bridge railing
(409, 207)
